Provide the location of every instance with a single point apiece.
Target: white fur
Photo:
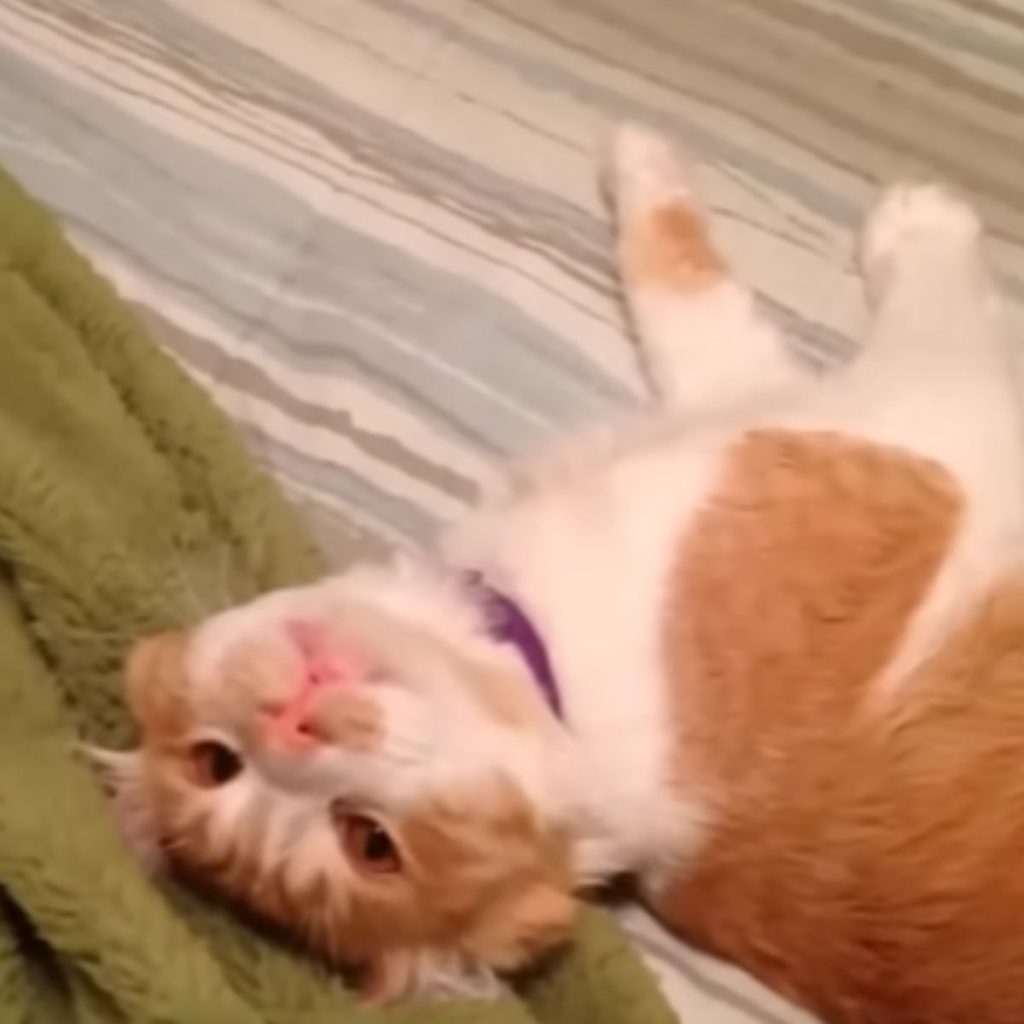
(587, 516)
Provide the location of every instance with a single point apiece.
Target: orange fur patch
(155, 685)
(670, 247)
(868, 866)
(796, 582)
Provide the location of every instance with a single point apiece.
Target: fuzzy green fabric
(127, 504)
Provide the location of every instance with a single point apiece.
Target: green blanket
(127, 504)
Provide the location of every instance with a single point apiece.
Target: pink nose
(292, 724)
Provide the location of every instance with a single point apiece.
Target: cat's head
(353, 762)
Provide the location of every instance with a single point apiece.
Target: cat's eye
(368, 845)
(212, 764)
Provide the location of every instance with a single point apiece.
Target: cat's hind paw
(914, 218)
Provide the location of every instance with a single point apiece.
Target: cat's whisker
(225, 597)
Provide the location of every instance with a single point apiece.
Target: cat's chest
(588, 548)
(588, 555)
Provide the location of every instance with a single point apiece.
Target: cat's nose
(324, 667)
(338, 716)
(296, 724)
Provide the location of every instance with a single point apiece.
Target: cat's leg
(936, 371)
(936, 377)
(703, 343)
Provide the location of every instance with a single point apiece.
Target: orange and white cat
(762, 651)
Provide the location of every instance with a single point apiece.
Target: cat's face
(361, 779)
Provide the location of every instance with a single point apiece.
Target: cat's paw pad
(909, 214)
(642, 168)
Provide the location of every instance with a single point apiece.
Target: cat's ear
(122, 775)
(154, 677)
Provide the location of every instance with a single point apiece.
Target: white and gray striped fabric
(372, 228)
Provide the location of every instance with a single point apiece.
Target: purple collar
(507, 623)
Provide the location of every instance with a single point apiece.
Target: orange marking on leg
(669, 247)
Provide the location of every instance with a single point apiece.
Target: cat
(760, 649)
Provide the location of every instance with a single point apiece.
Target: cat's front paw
(914, 218)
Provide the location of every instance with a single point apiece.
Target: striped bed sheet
(372, 228)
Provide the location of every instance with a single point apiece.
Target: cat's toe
(911, 215)
(642, 168)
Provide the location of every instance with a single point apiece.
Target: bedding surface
(372, 229)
